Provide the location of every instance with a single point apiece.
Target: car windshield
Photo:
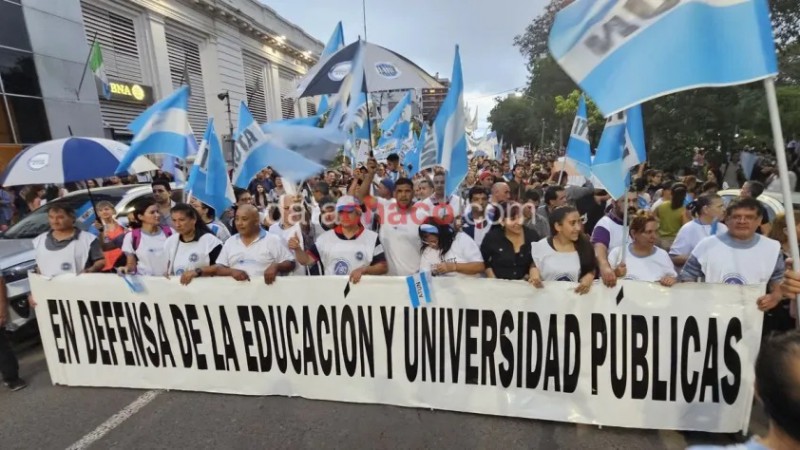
(36, 222)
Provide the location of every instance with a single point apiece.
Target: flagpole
(783, 173)
(625, 230)
(85, 65)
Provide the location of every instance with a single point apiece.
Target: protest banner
(666, 358)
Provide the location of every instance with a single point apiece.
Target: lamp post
(226, 97)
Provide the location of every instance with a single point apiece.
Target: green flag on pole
(99, 69)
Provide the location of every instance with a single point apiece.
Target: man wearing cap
(348, 249)
(399, 224)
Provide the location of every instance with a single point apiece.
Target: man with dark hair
(162, 193)
(753, 189)
(393, 167)
(739, 256)
(554, 197)
(778, 389)
(533, 220)
(477, 225)
(517, 184)
(9, 366)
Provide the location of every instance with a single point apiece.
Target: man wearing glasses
(739, 256)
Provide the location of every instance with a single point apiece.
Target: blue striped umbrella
(68, 160)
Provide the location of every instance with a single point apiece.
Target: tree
(567, 107)
(512, 119)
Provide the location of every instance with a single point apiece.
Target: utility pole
(541, 146)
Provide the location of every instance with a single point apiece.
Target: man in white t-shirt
(291, 218)
(608, 234)
(348, 249)
(399, 224)
(439, 200)
(251, 253)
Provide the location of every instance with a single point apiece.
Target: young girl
(447, 253)
(144, 244)
(565, 256)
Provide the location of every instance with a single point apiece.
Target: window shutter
(184, 56)
(288, 93)
(255, 86)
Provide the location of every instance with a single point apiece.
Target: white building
(239, 47)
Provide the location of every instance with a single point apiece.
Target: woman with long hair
(506, 249)
(707, 211)
(110, 234)
(671, 215)
(208, 216)
(193, 246)
(567, 255)
(144, 244)
(644, 261)
(446, 252)
(261, 200)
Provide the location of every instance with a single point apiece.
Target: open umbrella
(67, 160)
(384, 70)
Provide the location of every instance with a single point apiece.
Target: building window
(18, 73)
(30, 118)
(311, 108)
(255, 86)
(6, 137)
(184, 60)
(13, 32)
(288, 100)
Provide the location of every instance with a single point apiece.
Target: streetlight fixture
(226, 97)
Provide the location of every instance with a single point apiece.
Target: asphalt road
(44, 416)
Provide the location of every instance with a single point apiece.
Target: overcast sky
(426, 31)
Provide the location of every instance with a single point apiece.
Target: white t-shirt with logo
(340, 256)
(553, 265)
(723, 260)
(285, 234)
(151, 257)
(399, 233)
(650, 268)
(255, 258)
(188, 256)
(691, 233)
(70, 259)
(464, 250)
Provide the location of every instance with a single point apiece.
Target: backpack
(136, 235)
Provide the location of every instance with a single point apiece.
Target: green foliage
(512, 119)
(675, 124)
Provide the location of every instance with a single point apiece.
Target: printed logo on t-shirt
(360, 256)
(194, 257)
(341, 267)
(179, 272)
(66, 266)
(734, 278)
(564, 277)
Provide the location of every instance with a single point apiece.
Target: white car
(17, 256)
(773, 201)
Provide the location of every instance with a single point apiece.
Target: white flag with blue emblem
(623, 53)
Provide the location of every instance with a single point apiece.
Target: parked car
(773, 201)
(17, 256)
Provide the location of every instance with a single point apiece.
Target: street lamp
(226, 97)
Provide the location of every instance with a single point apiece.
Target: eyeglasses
(738, 218)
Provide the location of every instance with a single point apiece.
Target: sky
(426, 32)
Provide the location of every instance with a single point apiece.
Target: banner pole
(625, 230)
(783, 173)
(85, 65)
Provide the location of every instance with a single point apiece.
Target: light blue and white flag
(256, 150)
(419, 290)
(172, 165)
(623, 53)
(579, 151)
(512, 158)
(428, 149)
(161, 129)
(399, 114)
(335, 43)
(608, 166)
(498, 151)
(450, 131)
(208, 178)
(634, 152)
(348, 111)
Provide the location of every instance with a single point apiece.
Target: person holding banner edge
(645, 261)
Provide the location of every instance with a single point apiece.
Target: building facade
(432, 99)
(227, 50)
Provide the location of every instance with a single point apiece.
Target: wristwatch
(198, 272)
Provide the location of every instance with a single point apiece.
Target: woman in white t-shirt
(708, 212)
(567, 255)
(643, 260)
(446, 252)
(193, 245)
(144, 244)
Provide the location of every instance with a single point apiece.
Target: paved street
(54, 417)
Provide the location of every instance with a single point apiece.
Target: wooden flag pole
(783, 174)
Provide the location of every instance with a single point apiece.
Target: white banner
(679, 358)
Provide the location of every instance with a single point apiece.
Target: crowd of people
(528, 222)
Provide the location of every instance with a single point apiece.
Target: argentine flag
(623, 53)
(621, 144)
(335, 43)
(256, 150)
(208, 179)
(401, 113)
(428, 148)
(161, 129)
(450, 133)
(419, 290)
(579, 151)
